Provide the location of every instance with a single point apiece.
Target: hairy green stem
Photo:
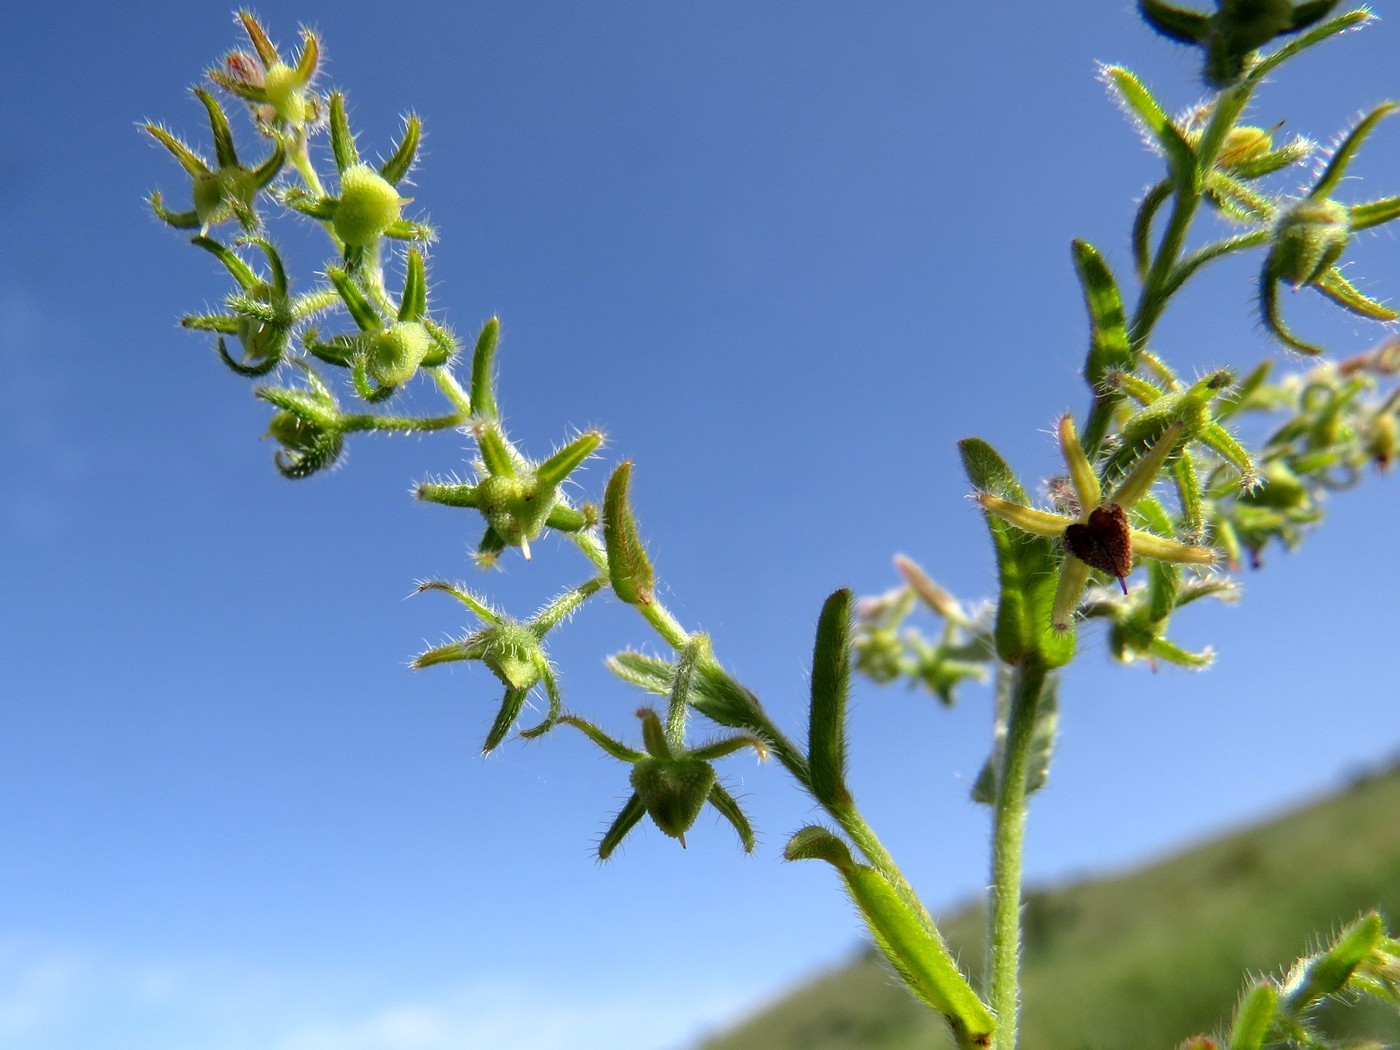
(1008, 837)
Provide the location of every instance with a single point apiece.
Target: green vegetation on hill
(1143, 960)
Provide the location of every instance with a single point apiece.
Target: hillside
(1142, 960)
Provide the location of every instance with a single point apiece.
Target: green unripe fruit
(394, 354)
(674, 791)
(513, 654)
(503, 502)
(369, 205)
(292, 432)
(260, 341)
(1308, 240)
(216, 193)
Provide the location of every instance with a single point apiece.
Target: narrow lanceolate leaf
(1108, 328)
(1047, 721)
(1253, 1017)
(1026, 565)
(650, 672)
(483, 395)
(831, 681)
(913, 947)
(629, 569)
(631, 814)
(919, 956)
(1181, 158)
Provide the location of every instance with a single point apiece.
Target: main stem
(1008, 837)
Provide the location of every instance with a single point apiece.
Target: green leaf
(1181, 157)
(1027, 566)
(629, 569)
(831, 680)
(1253, 1017)
(1109, 347)
(1047, 720)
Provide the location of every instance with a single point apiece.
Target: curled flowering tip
(261, 314)
(280, 92)
(1310, 237)
(369, 205)
(1234, 31)
(224, 190)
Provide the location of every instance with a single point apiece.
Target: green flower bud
(1309, 238)
(1280, 488)
(285, 89)
(219, 195)
(674, 790)
(1383, 439)
(394, 354)
(369, 204)
(1243, 144)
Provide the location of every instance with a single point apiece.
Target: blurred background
(785, 256)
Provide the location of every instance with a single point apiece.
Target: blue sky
(785, 258)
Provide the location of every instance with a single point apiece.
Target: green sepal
(831, 682)
(1047, 720)
(629, 569)
(483, 397)
(1334, 286)
(506, 717)
(728, 807)
(628, 818)
(1318, 9)
(1027, 567)
(1253, 1017)
(1175, 23)
(495, 453)
(614, 748)
(401, 160)
(551, 473)
(357, 304)
(1373, 213)
(913, 947)
(342, 139)
(713, 693)
(414, 303)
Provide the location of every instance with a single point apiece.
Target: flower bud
(1309, 238)
(285, 89)
(1243, 143)
(369, 204)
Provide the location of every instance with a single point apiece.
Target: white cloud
(511, 1017)
(58, 997)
